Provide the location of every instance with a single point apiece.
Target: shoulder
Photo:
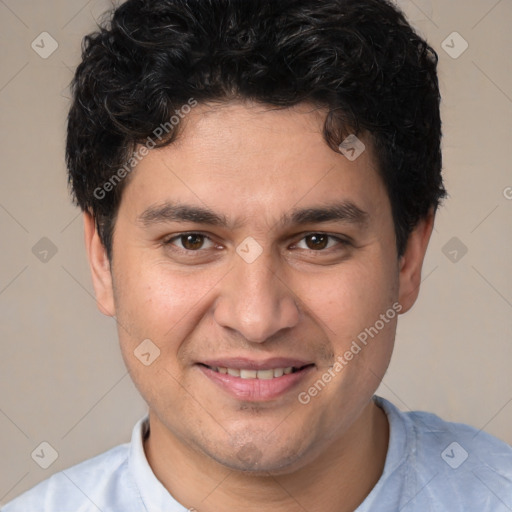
(454, 461)
(85, 487)
(459, 444)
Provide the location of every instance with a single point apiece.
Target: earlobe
(411, 262)
(100, 267)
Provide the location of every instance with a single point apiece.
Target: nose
(255, 301)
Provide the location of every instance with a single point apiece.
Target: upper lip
(252, 364)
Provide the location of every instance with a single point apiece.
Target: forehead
(254, 159)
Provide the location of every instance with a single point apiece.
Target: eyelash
(169, 242)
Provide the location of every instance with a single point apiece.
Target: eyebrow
(343, 211)
(169, 212)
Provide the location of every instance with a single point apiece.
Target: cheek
(353, 296)
(158, 303)
(164, 307)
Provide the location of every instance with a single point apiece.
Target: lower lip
(256, 390)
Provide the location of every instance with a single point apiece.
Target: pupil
(192, 241)
(317, 241)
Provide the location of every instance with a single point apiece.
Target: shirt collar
(399, 444)
(154, 495)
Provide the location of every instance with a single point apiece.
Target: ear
(411, 262)
(100, 267)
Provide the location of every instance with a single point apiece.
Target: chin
(249, 459)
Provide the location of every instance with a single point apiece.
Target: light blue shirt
(431, 465)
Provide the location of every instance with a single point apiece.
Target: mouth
(248, 373)
(258, 382)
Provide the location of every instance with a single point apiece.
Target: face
(246, 250)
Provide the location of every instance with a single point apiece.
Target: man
(259, 182)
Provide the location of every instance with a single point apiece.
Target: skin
(254, 164)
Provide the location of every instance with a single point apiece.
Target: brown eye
(317, 241)
(192, 242)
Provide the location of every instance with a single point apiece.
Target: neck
(344, 473)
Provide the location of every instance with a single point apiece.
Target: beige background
(61, 375)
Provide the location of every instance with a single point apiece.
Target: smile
(256, 384)
(268, 374)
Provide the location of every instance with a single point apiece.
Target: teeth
(265, 374)
(248, 374)
(278, 372)
(255, 374)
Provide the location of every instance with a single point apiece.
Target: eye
(190, 241)
(319, 242)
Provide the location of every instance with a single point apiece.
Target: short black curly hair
(360, 59)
